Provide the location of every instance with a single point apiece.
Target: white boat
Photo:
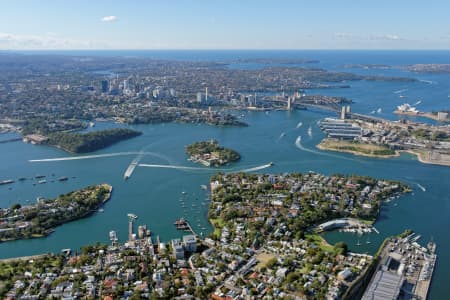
(129, 170)
(310, 131)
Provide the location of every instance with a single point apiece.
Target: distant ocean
(327, 57)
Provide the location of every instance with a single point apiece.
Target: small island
(40, 219)
(211, 154)
(89, 142)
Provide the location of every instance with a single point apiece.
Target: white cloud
(345, 36)
(10, 41)
(386, 37)
(371, 37)
(109, 19)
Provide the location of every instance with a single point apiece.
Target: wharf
(183, 224)
(404, 270)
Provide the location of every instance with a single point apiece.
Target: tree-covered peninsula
(210, 153)
(279, 217)
(40, 219)
(92, 141)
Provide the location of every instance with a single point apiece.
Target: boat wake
(426, 81)
(140, 153)
(173, 167)
(400, 91)
(129, 171)
(299, 145)
(418, 102)
(299, 125)
(207, 170)
(254, 169)
(310, 131)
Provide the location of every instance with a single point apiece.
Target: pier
(183, 224)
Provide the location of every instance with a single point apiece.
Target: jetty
(183, 224)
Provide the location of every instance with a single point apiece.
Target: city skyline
(46, 25)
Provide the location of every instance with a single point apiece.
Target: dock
(183, 224)
(403, 268)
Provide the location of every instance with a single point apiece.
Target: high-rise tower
(131, 219)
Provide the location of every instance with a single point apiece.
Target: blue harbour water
(154, 193)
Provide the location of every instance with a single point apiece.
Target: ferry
(130, 170)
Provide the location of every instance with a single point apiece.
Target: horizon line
(219, 49)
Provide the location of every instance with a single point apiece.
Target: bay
(154, 193)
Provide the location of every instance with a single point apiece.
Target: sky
(226, 24)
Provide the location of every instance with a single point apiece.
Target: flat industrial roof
(385, 285)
